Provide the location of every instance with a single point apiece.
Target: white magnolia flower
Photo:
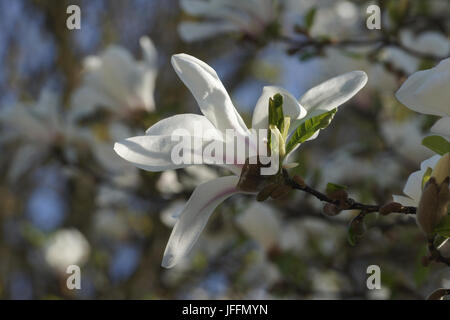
(116, 81)
(66, 247)
(428, 92)
(153, 151)
(224, 16)
(38, 127)
(413, 186)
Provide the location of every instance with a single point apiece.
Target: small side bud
(390, 208)
(299, 180)
(356, 229)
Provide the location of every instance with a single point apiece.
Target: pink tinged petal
(203, 201)
(332, 93)
(442, 127)
(208, 90)
(428, 91)
(291, 107)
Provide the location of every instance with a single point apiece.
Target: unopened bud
(442, 169)
(357, 229)
(299, 180)
(390, 207)
(433, 205)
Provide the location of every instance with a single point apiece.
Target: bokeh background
(66, 198)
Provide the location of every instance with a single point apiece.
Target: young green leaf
(309, 17)
(307, 129)
(332, 187)
(426, 176)
(437, 143)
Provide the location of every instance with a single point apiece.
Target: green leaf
(437, 143)
(331, 187)
(351, 237)
(309, 17)
(443, 228)
(426, 176)
(307, 129)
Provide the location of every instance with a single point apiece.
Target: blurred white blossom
(37, 128)
(66, 247)
(116, 81)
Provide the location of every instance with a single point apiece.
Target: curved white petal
(413, 186)
(428, 91)
(195, 215)
(209, 92)
(153, 152)
(332, 93)
(429, 163)
(291, 107)
(149, 51)
(442, 127)
(194, 124)
(406, 201)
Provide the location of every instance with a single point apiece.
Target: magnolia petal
(429, 163)
(203, 201)
(193, 124)
(291, 107)
(413, 186)
(154, 152)
(442, 127)
(406, 201)
(427, 91)
(332, 93)
(209, 92)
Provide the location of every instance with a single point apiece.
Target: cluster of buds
(343, 203)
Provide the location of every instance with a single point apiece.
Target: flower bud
(390, 207)
(442, 169)
(433, 204)
(299, 180)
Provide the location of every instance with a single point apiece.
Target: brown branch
(350, 203)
